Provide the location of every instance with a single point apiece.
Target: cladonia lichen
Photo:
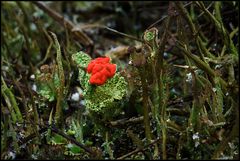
(102, 98)
(81, 59)
(47, 85)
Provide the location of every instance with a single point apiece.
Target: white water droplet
(130, 62)
(82, 102)
(195, 136)
(214, 89)
(34, 87)
(189, 77)
(5, 68)
(32, 77)
(75, 96)
(12, 155)
(218, 66)
(196, 144)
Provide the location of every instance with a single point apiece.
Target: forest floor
(170, 89)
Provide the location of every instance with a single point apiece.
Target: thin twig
(123, 34)
(72, 140)
(162, 18)
(125, 121)
(146, 119)
(83, 38)
(60, 73)
(138, 150)
(206, 8)
(14, 108)
(110, 29)
(158, 21)
(48, 49)
(57, 131)
(170, 124)
(160, 70)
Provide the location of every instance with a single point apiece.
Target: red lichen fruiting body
(112, 69)
(101, 70)
(97, 68)
(98, 79)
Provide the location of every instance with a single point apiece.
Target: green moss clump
(81, 59)
(100, 99)
(149, 36)
(46, 92)
(47, 85)
(103, 98)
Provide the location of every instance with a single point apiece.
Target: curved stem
(60, 73)
(145, 105)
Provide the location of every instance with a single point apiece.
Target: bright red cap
(101, 70)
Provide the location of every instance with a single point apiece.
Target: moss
(149, 36)
(46, 92)
(48, 85)
(81, 59)
(83, 78)
(102, 98)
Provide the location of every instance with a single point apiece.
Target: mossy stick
(145, 104)
(108, 147)
(48, 49)
(202, 65)
(200, 45)
(19, 3)
(219, 26)
(7, 93)
(10, 108)
(24, 101)
(13, 134)
(60, 73)
(235, 31)
(159, 69)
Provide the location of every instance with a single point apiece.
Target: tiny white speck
(214, 89)
(130, 62)
(32, 76)
(75, 97)
(82, 102)
(217, 66)
(70, 145)
(71, 74)
(80, 91)
(195, 136)
(21, 134)
(34, 87)
(173, 90)
(5, 68)
(33, 26)
(196, 144)
(23, 146)
(227, 94)
(34, 157)
(12, 155)
(231, 145)
(189, 77)
(38, 56)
